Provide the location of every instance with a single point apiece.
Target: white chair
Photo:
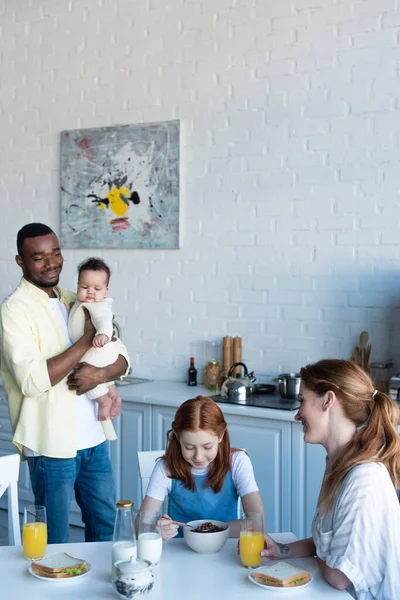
(9, 472)
(147, 460)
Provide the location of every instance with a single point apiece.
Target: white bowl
(206, 543)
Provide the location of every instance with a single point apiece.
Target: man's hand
(85, 377)
(89, 330)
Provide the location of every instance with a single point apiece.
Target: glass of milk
(149, 537)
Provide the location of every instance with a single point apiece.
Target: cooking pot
(289, 385)
(238, 388)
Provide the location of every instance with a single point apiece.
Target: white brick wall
(290, 163)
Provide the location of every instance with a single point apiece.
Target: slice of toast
(59, 563)
(68, 573)
(281, 574)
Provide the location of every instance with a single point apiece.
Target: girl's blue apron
(185, 505)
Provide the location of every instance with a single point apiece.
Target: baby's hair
(94, 264)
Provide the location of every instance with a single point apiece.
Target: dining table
(181, 574)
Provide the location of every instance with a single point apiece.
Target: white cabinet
(267, 442)
(308, 468)
(161, 419)
(134, 434)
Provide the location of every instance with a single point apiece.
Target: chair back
(147, 461)
(9, 472)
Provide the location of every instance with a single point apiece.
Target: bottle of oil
(192, 373)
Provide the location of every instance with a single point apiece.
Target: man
(55, 425)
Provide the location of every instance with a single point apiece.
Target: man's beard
(44, 284)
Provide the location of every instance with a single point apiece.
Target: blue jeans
(90, 475)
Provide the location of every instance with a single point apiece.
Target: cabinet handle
(1, 426)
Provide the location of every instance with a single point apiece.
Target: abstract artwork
(120, 186)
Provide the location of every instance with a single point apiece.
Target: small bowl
(206, 543)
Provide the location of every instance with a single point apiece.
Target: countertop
(173, 393)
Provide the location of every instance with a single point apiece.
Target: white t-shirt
(160, 484)
(89, 430)
(360, 535)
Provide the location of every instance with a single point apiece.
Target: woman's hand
(273, 550)
(168, 527)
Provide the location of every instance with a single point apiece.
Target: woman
(200, 473)
(356, 529)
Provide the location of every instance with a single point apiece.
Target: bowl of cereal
(206, 536)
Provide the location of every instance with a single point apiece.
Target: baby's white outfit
(102, 318)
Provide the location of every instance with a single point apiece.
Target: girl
(356, 529)
(200, 473)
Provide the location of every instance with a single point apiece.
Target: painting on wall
(120, 186)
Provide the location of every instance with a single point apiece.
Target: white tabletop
(181, 574)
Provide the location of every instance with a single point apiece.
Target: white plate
(58, 579)
(272, 588)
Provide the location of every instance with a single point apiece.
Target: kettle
(238, 388)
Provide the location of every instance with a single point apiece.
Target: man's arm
(23, 358)
(85, 377)
(59, 366)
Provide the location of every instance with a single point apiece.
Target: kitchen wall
(289, 113)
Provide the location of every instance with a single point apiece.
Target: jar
(211, 376)
(124, 537)
(133, 578)
(380, 374)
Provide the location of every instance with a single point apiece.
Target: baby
(93, 279)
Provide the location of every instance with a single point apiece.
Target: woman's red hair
(198, 414)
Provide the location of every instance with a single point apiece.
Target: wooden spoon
(363, 343)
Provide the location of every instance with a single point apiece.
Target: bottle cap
(124, 504)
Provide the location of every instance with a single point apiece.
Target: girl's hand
(272, 549)
(168, 527)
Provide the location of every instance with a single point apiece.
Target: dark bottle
(192, 373)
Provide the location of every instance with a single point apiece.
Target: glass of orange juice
(34, 532)
(251, 539)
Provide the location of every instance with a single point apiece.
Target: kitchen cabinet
(162, 417)
(134, 434)
(308, 468)
(267, 443)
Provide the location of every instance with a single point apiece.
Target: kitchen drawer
(7, 447)
(3, 404)
(5, 429)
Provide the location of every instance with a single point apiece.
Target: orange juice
(251, 544)
(34, 539)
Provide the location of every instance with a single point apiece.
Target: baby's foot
(103, 412)
(115, 408)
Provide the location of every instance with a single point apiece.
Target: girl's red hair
(197, 414)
